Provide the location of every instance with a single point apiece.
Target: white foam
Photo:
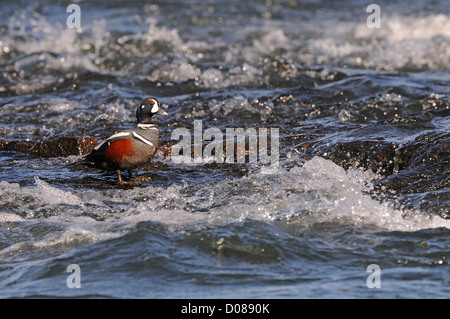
(402, 41)
(319, 191)
(7, 217)
(45, 36)
(42, 195)
(74, 234)
(398, 28)
(316, 192)
(346, 197)
(172, 217)
(273, 39)
(212, 78)
(54, 196)
(177, 71)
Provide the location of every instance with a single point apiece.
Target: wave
(252, 54)
(316, 192)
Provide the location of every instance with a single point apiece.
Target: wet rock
(375, 155)
(415, 119)
(59, 147)
(422, 165)
(16, 146)
(63, 146)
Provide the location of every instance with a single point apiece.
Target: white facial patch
(154, 108)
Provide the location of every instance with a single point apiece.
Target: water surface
(364, 166)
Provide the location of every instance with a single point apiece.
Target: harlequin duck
(132, 148)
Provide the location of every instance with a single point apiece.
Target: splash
(316, 192)
(254, 55)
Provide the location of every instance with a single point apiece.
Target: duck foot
(132, 178)
(140, 178)
(120, 180)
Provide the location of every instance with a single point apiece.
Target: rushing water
(363, 177)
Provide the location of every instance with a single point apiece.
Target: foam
(319, 191)
(398, 28)
(73, 235)
(177, 71)
(172, 217)
(315, 192)
(43, 196)
(68, 48)
(317, 188)
(402, 41)
(420, 42)
(54, 196)
(6, 217)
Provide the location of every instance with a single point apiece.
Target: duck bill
(161, 111)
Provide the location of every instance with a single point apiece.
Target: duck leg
(119, 177)
(120, 180)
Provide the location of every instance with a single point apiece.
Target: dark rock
(16, 146)
(60, 147)
(415, 119)
(375, 155)
(63, 146)
(422, 165)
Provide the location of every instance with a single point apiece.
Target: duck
(130, 149)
